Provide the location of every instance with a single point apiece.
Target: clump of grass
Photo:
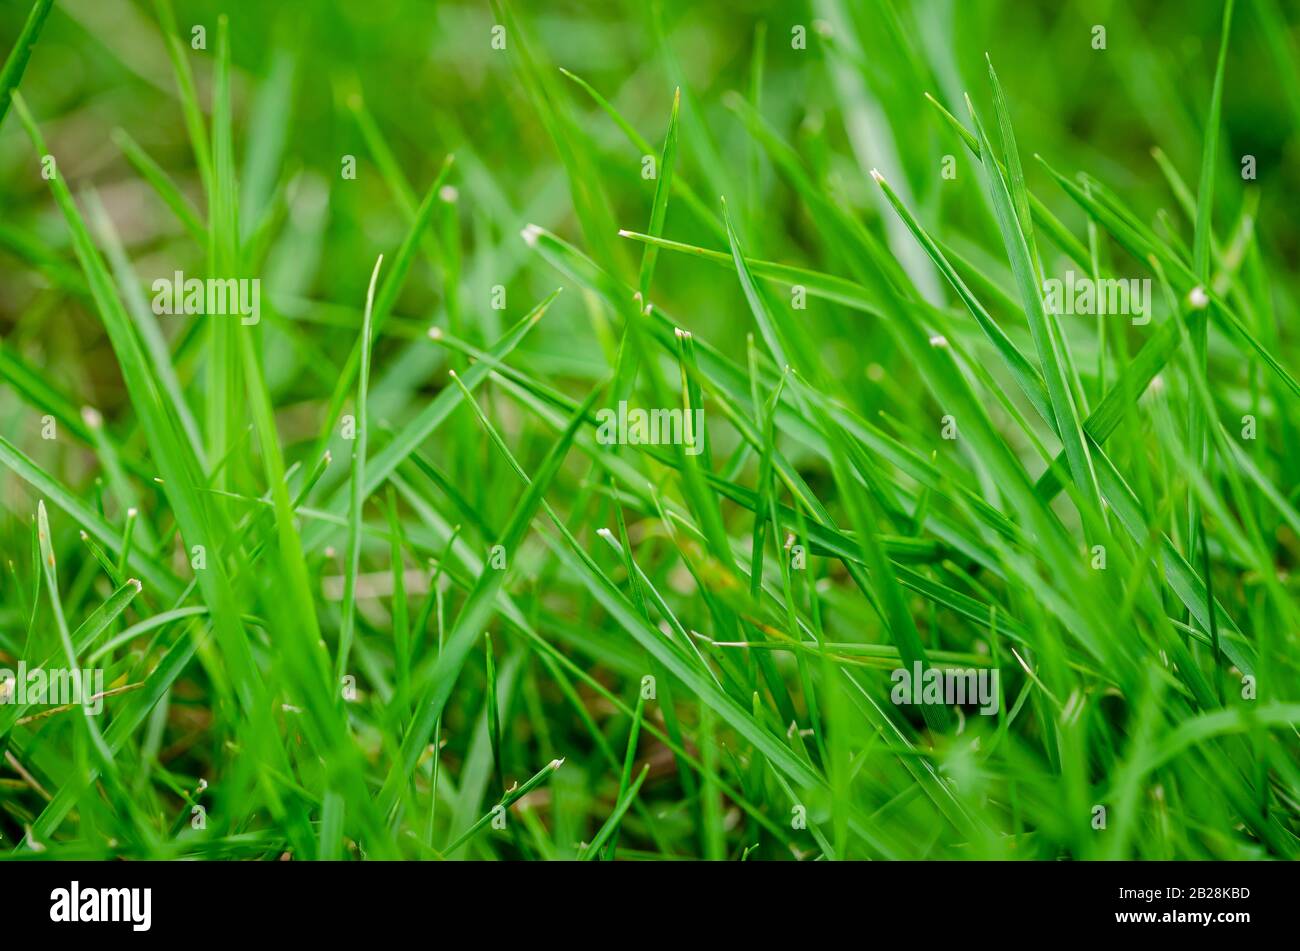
(909, 461)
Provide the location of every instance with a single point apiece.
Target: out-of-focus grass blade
(16, 61)
(1065, 414)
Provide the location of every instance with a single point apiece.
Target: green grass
(365, 581)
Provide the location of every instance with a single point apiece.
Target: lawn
(844, 429)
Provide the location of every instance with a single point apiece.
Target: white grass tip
(135, 583)
(557, 763)
(1198, 298)
(435, 333)
(624, 233)
(132, 512)
(605, 533)
(938, 340)
(92, 417)
(328, 457)
(875, 173)
(529, 234)
(449, 193)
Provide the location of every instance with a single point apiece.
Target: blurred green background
(435, 86)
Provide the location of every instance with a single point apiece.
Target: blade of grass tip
(16, 62)
(415, 432)
(659, 209)
(1065, 415)
(1015, 173)
(643, 147)
(158, 578)
(442, 246)
(356, 495)
(50, 569)
(113, 571)
(388, 293)
(628, 759)
(1052, 225)
(505, 802)
(590, 200)
(83, 639)
(128, 530)
(1196, 423)
(1020, 200)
